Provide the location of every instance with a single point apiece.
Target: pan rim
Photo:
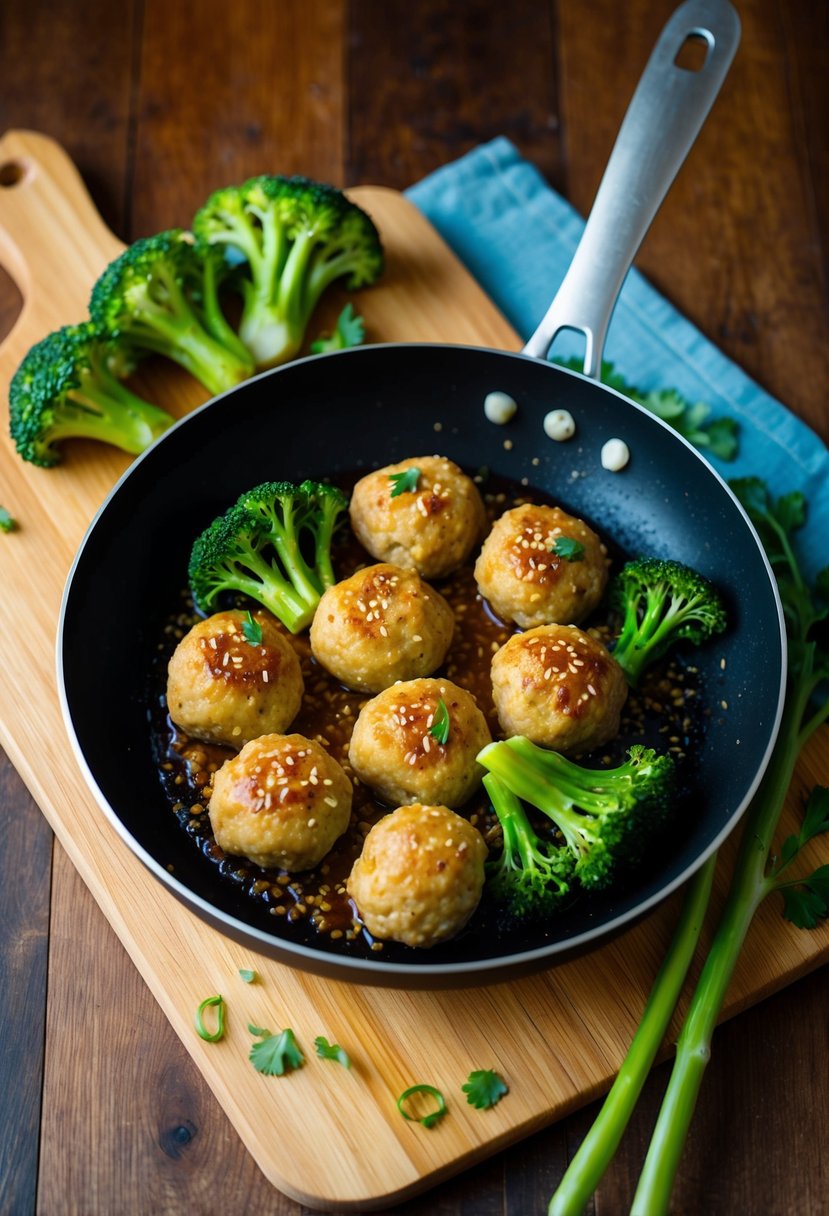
(418, 974)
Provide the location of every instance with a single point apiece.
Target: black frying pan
(335, 415)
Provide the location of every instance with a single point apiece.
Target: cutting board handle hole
(12, 173)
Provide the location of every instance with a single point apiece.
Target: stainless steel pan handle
(663, 119)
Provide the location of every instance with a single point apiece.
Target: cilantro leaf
(350, 330)
(433, 1116)
(815, 823)
(567, 549)
(807, 901)
(7, 521)
(440, 723)
(405, 482)
(690, 419)
(331, 1051)
(276, 1054)
(252, 631)
(248, 976)
(484, 1088)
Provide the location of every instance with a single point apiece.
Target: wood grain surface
(158, 108)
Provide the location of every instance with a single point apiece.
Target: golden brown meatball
(525, 581)
(431, 528)
(558, 686)
(382, 624)
(224, 689)
(420, 875)
(393, 750)
(282, 802)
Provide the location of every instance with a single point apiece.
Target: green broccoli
(273, 545)
(531, 875)
(606, 816)
(69, 386)
(290, 238)
(660, 603)
(161, 296)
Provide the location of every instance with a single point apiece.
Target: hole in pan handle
(664, 117)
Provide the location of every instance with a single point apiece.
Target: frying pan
(340, 414)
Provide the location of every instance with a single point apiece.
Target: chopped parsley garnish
(431, 1117)
(211, 1002)
(405, 482)
(331, 1051)
(568, 549)
(7, 521)
(440, 724)
(252, 630)
(276, 1054)
(248, 976)
(484, 1088)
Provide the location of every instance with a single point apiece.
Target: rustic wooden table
(159, 102)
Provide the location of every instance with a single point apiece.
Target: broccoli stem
(183, 339)
(528, 782)
(749, 887)
(272, 590)
(599, 1145)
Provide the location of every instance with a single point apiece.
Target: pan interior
(358, 410)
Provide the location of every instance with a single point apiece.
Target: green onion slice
(434, 1116)
(211, 1002)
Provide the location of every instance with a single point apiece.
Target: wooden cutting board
(328, 1137)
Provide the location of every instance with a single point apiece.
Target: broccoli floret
(291, 238)
(161, 295)
(661, 603)
(69, 386)
(531, 876)
(606, 816)
(273, 545)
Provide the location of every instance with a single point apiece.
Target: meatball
(526, 581)
(432, 527)
(382, 624)
(420, 875)
(224, 689)
(393, 750)
(558, 686)
(282, 802)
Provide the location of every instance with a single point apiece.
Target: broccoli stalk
(273, 545)
(531, 875)
(291, 238)
(604, 815)
(755, 876)
(161, 295)
(69, 386)
(661, 603)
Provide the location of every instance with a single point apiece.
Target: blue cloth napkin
(517, 237)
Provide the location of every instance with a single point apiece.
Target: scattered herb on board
(719, 436)
(252, 630)
(567, 549)
(439, 729)
(331, 1051)
(431, 1117)
(805, 899)
(7, 521)
(248, 976)
(350, 330)
(484, 1088)
(405, 482)
(275, 1054)
(211, 1002)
